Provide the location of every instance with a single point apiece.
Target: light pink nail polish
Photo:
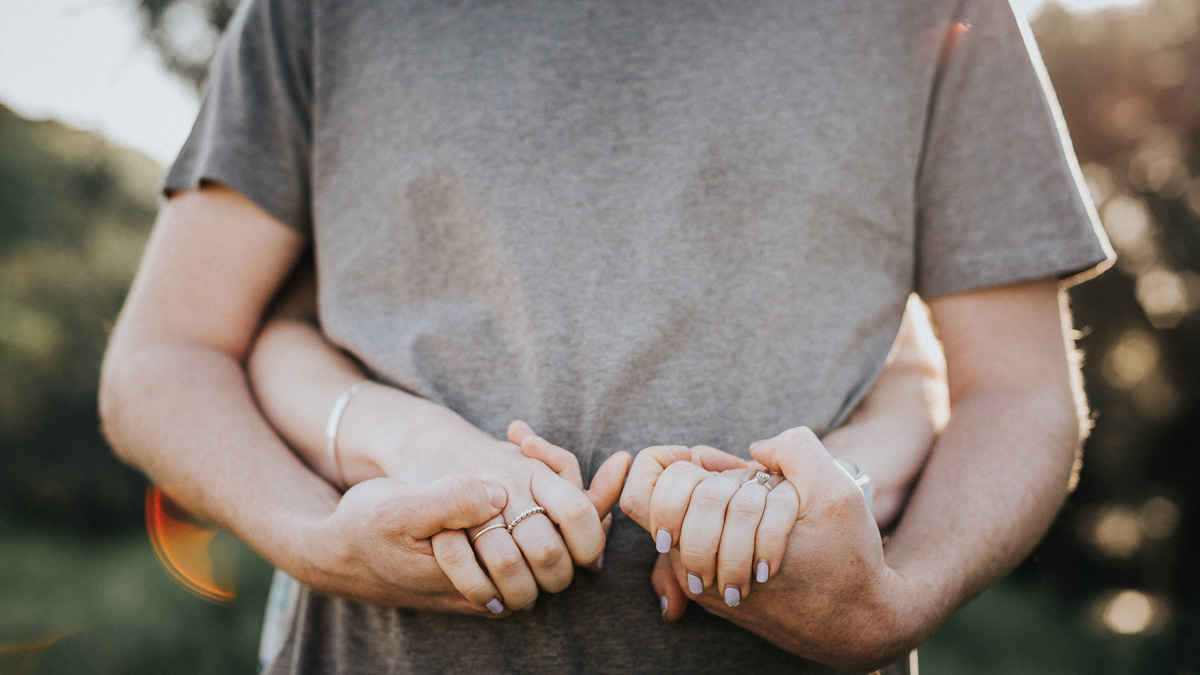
(494, 606)
(733, 597)
(763, 572)
(664, 603)
(695, 586)
(662, 541)
(600, 562)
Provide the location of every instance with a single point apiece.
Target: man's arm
(175, 403)
(991, 487)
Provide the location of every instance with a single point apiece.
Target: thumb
(670, 596)
(802, 459)
(450, 503)
(606, 485)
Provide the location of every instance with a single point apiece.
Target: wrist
(390, 433)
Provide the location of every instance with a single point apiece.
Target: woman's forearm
(298, 376)
(890, 433)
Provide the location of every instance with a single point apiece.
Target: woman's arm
(297, 376)
(892, 431)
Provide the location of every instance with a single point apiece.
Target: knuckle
(558, 582)
(457, 556)
(633, 505)
(694, 553)
(577, 509)
(712, 492)
(462, 494)
(507, 563)
(745, 506)
(547, 555)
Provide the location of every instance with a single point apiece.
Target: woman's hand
(834, 595)
(727, 526)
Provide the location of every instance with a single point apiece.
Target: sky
(84, 62)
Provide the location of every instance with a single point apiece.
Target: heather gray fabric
(631, 222)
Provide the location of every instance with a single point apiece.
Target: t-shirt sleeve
(1000, 198)
(254, 129)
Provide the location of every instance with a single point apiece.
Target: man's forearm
(183, 414)
(996, 479)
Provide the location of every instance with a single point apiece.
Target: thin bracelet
(331, 429)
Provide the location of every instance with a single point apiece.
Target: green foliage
(74, 216)
(113, 609)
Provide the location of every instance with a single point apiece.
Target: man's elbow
(113, 381)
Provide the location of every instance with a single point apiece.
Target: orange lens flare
(939, 42)
(184, 548)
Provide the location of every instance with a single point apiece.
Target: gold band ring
(489, 528)
(523, 515)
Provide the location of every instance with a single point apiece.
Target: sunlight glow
(184, 548)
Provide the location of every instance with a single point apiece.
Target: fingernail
(497, 497)
(662, 541)
(529, 607)
(762, 571)
(695, 585)
(600, 562)
(664, 603)
(733, 597)
(494, 606)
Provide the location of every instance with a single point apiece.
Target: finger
(700, 536)
(505, 565)
(457, 559)
(577, 521)
(606, 525)
(716, 460)
(606, 485)
(801, 457)
(643, 474)
(560, 461)
(449, 503)
(776, 525)
(735, 558)
(669, 502)
(671, 598)
(548, 559)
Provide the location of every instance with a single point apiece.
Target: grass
(114, 609)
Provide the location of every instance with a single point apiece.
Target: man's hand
(833, 595)
(375, 547)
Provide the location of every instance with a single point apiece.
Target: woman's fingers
(505, 564)
(671, 597)
(606, 485)
(457, 559)
(700, 535)
(650, 463)
(669, 502)
(773, 530)
(533, 446)
(735, 558)
(577, 521)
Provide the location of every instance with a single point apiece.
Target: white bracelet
(331, 429)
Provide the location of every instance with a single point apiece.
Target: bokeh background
(1113, 588)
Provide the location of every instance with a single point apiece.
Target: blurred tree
(1128, 81)
(186, 33)
(74, 215)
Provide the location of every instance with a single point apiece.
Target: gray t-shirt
(631, 222)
